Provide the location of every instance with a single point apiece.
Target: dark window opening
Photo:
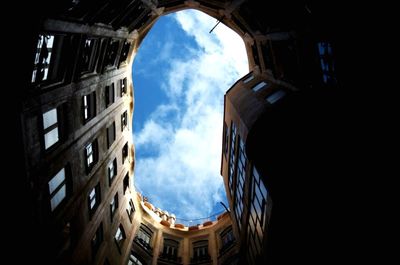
(124, 52)
(114, 205)
(97, 240)
(126, 182)
(110, 134)
(124, 120)
(125, 152)
(123, 86)
(89, 55)
(227, 239)
(200, 252)
(170, 250)
(112, 171)
(110, 95)
(111, 53)
(130, 210)
(89, 106)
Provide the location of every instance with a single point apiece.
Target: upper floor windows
(89, 106)
(133, 260)
(232, 159)
(144, 236)
(124, 52)
(120, 237)
(109, 94)
(47, 66)
(227, 239)
(240, 180)
(113, 205)
(89, 55)
(94, 199)
(226, 138)
(43, 55)
(126, 182)
(170, 249)
(112, 170)
(50, 128)
(259, 86)
(91, 155)
(110, 134)
(111, 53)
(124, 120)
(274, 97)
(123, 86)
(125, 152)
(200, 251)
(58, 189)
(97, 240)
(131, 209)
(248, 79)
(327, 63)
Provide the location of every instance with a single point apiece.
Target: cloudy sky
(180, 75)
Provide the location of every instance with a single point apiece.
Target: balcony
(166, 258)
(204, 260)
(146, 246)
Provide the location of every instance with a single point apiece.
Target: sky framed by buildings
(180, 75)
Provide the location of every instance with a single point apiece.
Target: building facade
(73, 117)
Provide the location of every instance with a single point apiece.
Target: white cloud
(184, 175)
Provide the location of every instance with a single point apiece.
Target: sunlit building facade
(74, 114)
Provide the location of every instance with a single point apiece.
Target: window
(114, 205)
(112, 170)
(97, 240)
(130, 210)
(43, 54)
(327, 63)
(110, 134)
(89, 55)
(50, 128)
(111, 53)
(89, 106)
(227, 239)
(248, 79)
(110, 94)
(124, 152)
(57, 189)
(226, 138)
(91, 155)
(126, 182)
(143, 237)
(120, 237)
(259, 86)
(170, 250)
(124, 52)
(123, 86)
(200, 251)
(241, 176)
(133, 260)
(258, 218)
(232, 160)
(274, 97)
(94, 199)
(124, 120)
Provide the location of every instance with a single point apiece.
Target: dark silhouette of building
(73, 111)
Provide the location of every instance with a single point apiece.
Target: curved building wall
(74, 110)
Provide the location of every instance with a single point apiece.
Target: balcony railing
(144, 244)
(167, 257)
(204, 259)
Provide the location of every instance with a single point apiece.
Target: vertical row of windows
(241, 176)
(327, 63)
(258, 218)
(232, 159)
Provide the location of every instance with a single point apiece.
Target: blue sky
(180, 75)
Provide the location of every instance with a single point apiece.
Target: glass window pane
(259, 86)
(49, 118)
(56, 180)
(275, 96)
(50, 41)
(92, 194)
(248, 79)
(58, 197)
(51, 138)
(92, 203)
